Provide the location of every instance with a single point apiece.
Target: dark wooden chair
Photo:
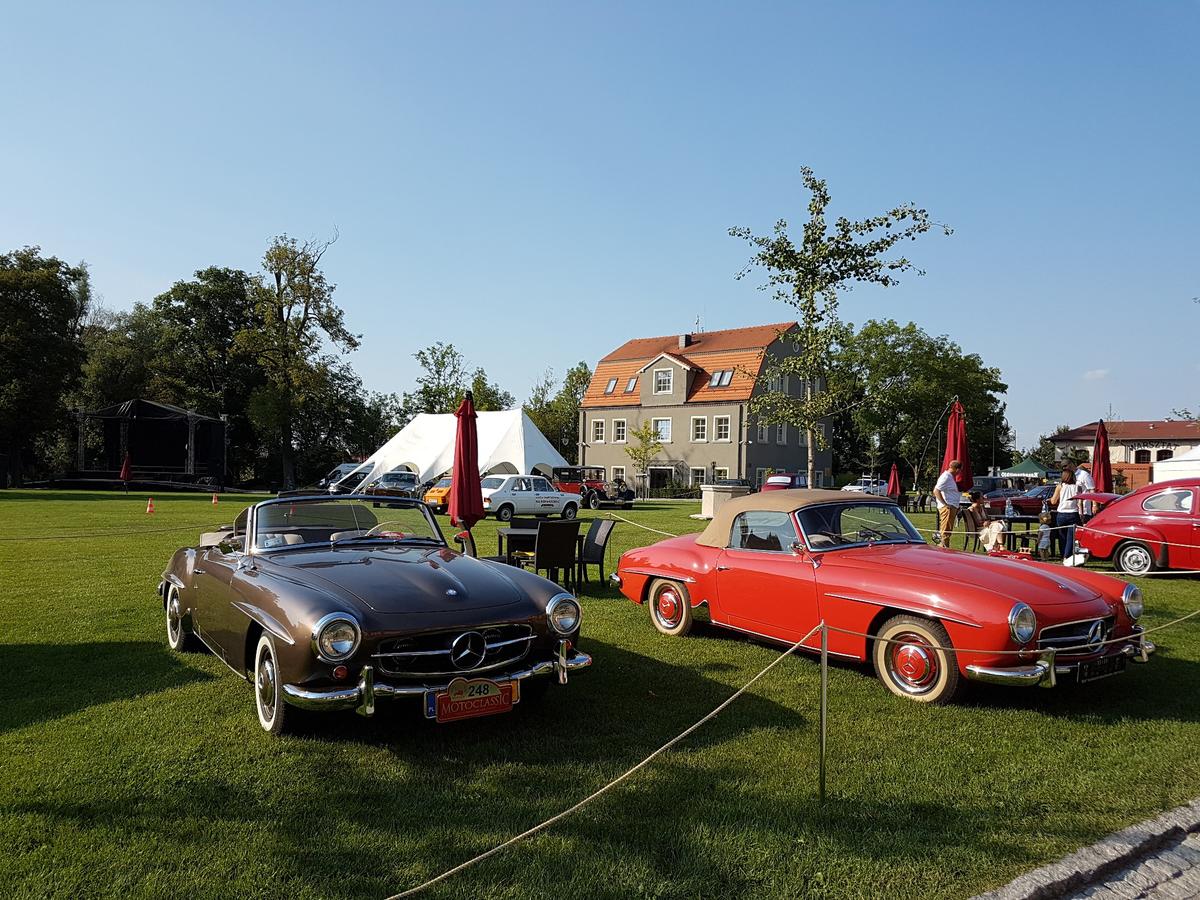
(554, 550)
(594, 546)
(466, 541)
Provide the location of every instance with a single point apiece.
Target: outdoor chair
(553, 550)
(466, 540)
(594, 546)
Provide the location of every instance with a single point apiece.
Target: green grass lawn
(126, 769)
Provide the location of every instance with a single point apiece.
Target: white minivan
(505, 496)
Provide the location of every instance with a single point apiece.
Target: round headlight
(1022, 623)
(1132, 599)
(336, 637)
(563, 613)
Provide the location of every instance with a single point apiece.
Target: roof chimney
(684, 340)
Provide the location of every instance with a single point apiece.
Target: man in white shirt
(948, 497)
(1084, 479)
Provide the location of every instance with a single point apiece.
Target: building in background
(1133, 447)
(696, 390)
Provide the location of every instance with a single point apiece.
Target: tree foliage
(554, 408)
(43, 305)
(445, 379)
(643, 447)
(809, 276)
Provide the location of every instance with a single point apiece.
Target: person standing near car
(948, 497)
(1066, 510)
(1083, 478)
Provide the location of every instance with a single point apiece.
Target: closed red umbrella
(126, 471)
(893, 488)
(1101, 465)
(466, 496)
(956, 447)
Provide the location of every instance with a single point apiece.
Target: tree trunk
(810, 434)
(14, 466)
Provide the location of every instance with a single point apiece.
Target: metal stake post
(824, 702)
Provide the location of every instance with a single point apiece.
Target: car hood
(1038, 584)
(405, 579)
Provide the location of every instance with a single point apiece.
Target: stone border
(1091, 864)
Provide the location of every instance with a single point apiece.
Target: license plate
(1101, 668)
(470, 698)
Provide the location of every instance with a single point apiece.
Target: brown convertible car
(337, 602)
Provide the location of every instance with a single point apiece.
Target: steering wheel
(398, 535)
(871, 534)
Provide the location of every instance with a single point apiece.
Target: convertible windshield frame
(913, 537)
(435, 538)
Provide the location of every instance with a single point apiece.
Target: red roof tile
(1147, 430)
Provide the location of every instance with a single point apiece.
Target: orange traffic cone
(150, 506)
(214, 499)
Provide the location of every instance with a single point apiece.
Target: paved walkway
(1170, 873)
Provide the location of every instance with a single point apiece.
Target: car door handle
(198, 571)
(722, 568)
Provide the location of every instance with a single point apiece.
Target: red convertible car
(1155, 527)
(776, 564)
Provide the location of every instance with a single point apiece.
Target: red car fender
(1100, 537)
(679, 559)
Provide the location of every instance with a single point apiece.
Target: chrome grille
(422, 655)
(1077, 635)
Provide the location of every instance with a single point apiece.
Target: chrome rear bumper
(362, 696)
(1046, 671)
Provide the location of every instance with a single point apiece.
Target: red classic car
(1027, 503)
(776, 564)
(1154, 527)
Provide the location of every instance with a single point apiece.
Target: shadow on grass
(39, 682)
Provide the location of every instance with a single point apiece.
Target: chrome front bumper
(362, 696)
(1046, 671)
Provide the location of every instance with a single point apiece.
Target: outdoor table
(523, 539)
(1010, 536)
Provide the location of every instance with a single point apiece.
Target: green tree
(294, 313)
(555, 412)
(1044, 452)
(902, 380)
(488, 395)
(809, 277)
(643, 447)
(43, 304)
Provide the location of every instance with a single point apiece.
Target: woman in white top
(1066, 510)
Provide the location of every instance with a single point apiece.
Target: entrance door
(762, 584)
(660, 477)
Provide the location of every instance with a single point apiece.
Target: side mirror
(231, 545)
(797, 549)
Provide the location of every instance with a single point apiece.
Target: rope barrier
(620, 778)
(640, 525)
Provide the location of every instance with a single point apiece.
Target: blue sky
(540, 182)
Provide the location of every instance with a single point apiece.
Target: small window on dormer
(611, 386)
(631, 384)
(662, 381)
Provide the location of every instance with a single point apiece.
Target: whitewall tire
(274, 715)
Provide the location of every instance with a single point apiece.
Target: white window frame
(760, 477)
(597, 429)
(819, 478)
(720, 472)
(716, 429)
(693, 481)
(764, 432)
(774, 384)
(654, 424)
(703, 438)
(624, 432)
(670, 373)
(618, 472)
(781, 434)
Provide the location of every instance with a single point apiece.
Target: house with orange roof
(695, 389)
(1133, 446)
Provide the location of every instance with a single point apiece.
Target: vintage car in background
(326, 603)
(395, 484)
(1027, 503)
(775, 565)
(505, 496)
(589, 483)
(1155, 527)
(438, 496)
(875, 486)
(784, 481)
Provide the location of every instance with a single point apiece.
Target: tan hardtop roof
(717, 532)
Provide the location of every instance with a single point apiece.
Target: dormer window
(663, 381)
(611, 386)
(630, 385)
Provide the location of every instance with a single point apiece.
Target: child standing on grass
(1043, 544)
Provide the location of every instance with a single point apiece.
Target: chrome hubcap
(173, 618)
(913, 664)
(266, 686)
(667, 607)
(1136, 559)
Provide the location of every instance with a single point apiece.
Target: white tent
(1185, 466)
(509, 443)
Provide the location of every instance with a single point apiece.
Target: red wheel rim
(912, 663)
(667, 607)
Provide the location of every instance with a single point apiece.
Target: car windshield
(301, 523)
(400, 478)
(444, 482)
(834, 525)
(1034, 491)
(490, 484)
